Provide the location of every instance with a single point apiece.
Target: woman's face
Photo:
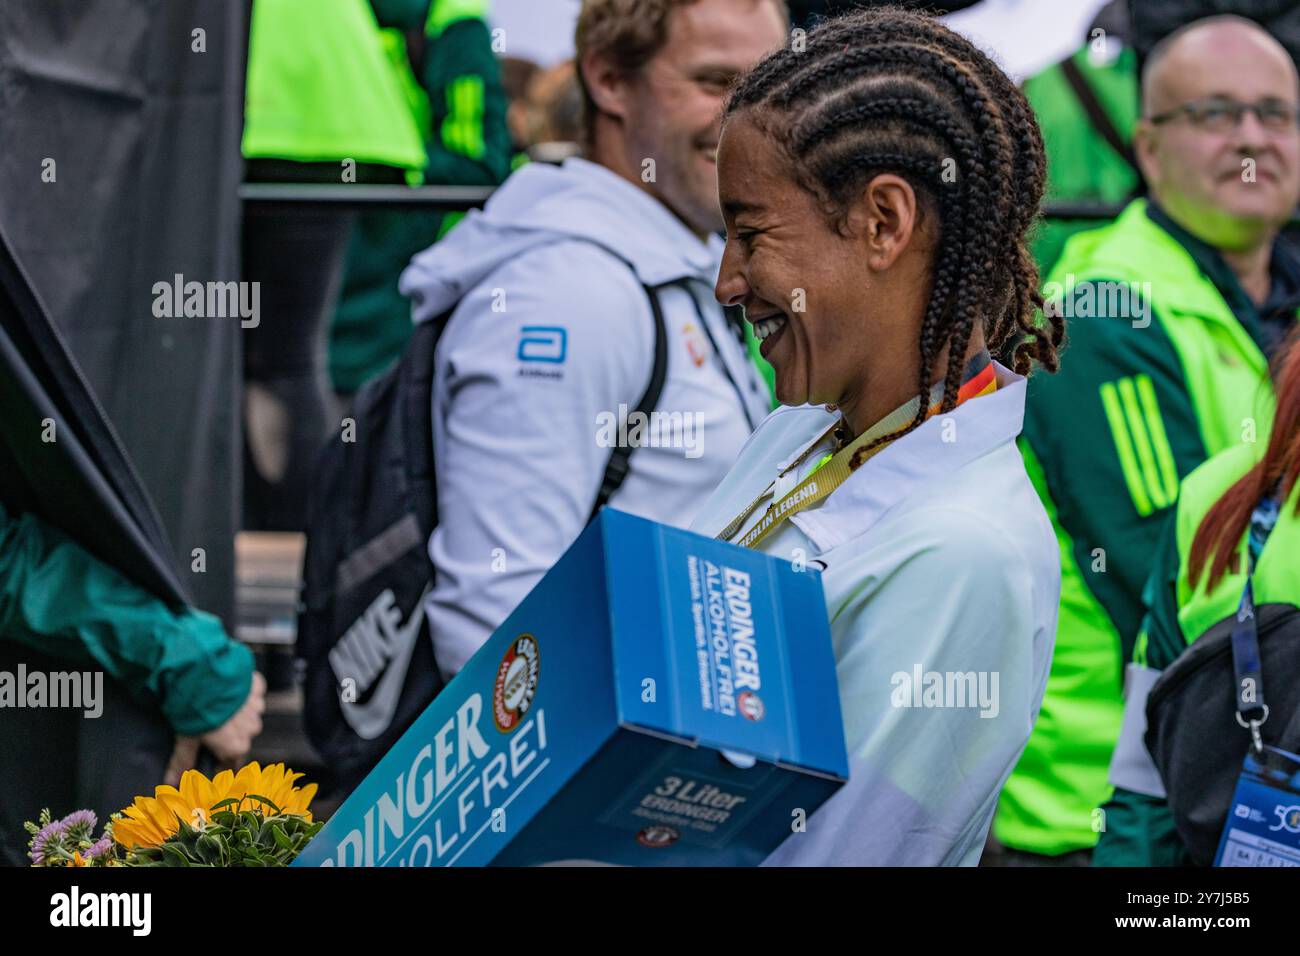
(831, 306)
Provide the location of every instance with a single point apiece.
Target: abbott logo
(103, 909)
(543, 343)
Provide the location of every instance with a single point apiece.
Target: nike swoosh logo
(372, 718)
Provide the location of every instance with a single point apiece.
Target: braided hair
(886, 90)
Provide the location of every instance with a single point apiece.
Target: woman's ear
(884, 219)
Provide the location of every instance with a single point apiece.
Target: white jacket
(938, 559)
(552, 335)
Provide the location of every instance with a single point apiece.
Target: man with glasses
(1172, 312)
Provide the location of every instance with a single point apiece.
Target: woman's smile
(769, 330)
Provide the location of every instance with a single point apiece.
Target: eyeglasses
(1219, 114)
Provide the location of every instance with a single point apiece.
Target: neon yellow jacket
(1160, 371)
(320, 87)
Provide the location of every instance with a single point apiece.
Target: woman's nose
(731, 287)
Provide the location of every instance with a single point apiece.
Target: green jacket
(1140, 827)
(1081, 165)
(58, 599)
(320, 88)
(459, 105)
(1160, 372)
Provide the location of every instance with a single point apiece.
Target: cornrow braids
(887, 90)
(1015, 326)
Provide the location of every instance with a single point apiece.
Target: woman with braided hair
(877, 184)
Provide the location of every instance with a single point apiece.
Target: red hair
(1224, 524)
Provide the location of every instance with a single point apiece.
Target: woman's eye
(716, 83)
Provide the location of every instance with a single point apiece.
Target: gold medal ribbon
(979, 380)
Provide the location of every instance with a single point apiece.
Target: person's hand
(231, 742)
(184, 755)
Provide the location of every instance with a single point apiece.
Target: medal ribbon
(833, 471)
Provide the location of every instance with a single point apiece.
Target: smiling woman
(923, 149)
(877, 185)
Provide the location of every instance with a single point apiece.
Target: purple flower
(47, 840)
(78, 818)
(98, 848)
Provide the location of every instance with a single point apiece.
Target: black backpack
(362, 631)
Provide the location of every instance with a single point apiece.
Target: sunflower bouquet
(255, 817)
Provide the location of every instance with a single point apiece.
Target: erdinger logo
(750, 705)
(516, 683)
(657, 836)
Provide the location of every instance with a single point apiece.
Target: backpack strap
(416, 396)
(1097, 115)
(617, 467)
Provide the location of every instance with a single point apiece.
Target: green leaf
(253, 796)
(283, 841)
(174, 855)
(209, 850)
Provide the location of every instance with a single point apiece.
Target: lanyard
(1251, 709)
(980, 379)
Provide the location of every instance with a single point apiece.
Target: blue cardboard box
(659, 698)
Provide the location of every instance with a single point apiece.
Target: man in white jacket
(552, 340)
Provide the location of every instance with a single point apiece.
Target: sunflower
(275, 783)
(149, 821)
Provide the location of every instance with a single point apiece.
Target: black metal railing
(460, 198)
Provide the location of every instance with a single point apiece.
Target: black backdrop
(143, 131)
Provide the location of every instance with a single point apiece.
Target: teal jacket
(59, 599)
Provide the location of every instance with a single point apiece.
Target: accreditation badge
(1263, 825)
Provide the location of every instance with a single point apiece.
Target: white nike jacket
(551, 346)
